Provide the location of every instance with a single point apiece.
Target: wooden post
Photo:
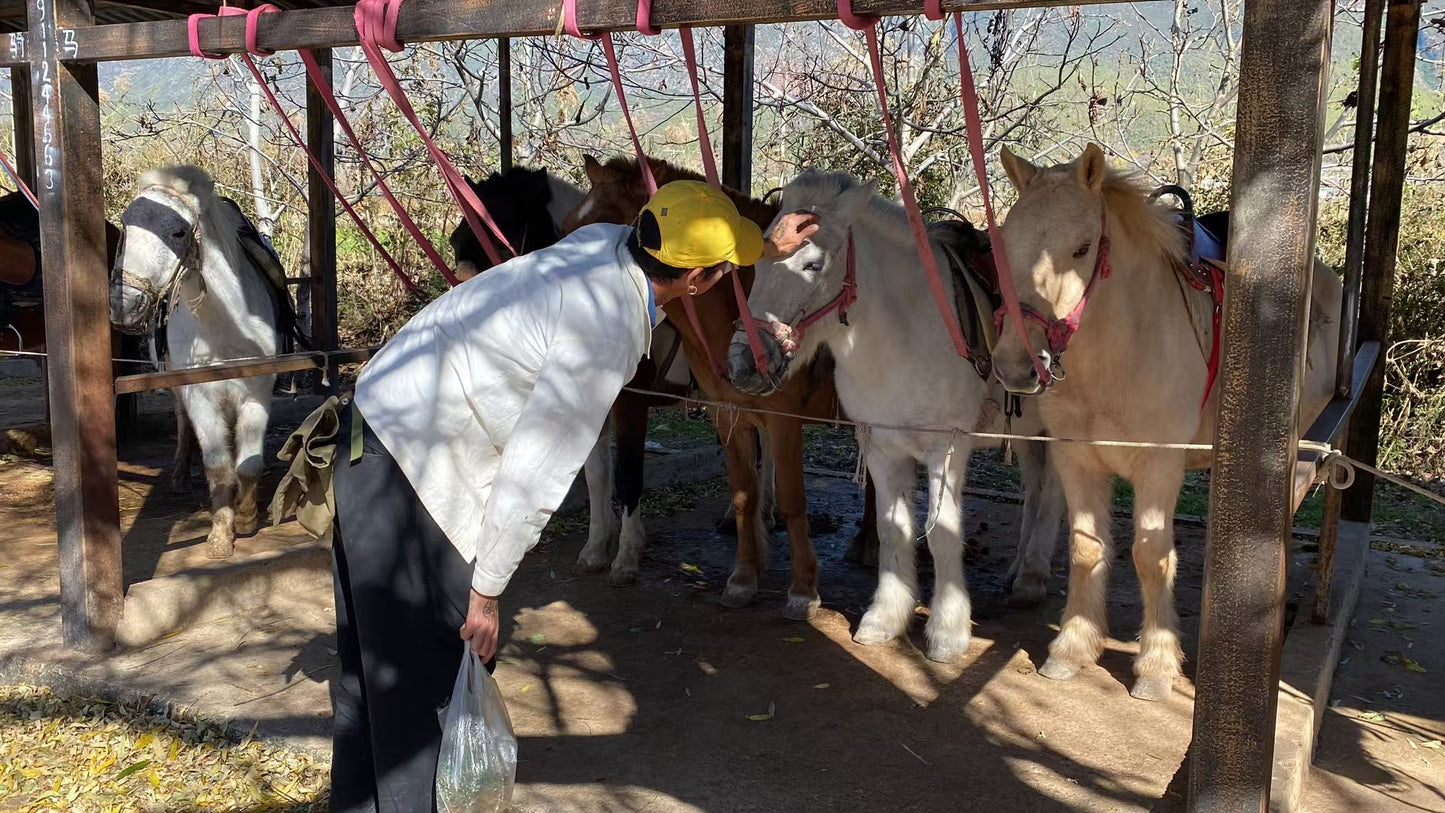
(1271, 258)
(20, 104)
(66, 118)
(321, 222)
(737, 149)
(1382, 237)
(504, 103)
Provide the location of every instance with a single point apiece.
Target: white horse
(896, 367)
(1136, 370)
(182, 244)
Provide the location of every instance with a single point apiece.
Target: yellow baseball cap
(699, 226)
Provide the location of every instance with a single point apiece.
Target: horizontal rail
(314, 360)
(439, 20)
(1332, 420)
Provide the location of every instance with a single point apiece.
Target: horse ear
(1092, 167)
(595, 171)
(1020, 172)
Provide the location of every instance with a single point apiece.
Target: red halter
(1060, 331)
(790, 336)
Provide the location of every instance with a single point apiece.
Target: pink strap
(933, 9)
(905, 187)
(311, 157)
(642, 162)
(19, 184)
(253, 18)
(689, 55)
(644, 18)
(750, 327)
(569, 22)
(376, 28)
(974, 128)
(193, 35)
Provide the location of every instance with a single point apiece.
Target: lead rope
(193, 30)
(25, 190)
(933, 10)
(569, 24)
(869, 27)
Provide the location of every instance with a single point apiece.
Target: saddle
(264, 258)
(975, 286)
(1205, 237)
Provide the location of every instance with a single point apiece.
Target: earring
(692, 290)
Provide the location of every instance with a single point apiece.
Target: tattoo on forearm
(490, 609)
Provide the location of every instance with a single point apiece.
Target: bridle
(154, 296)
(790, 335)
(1060, 330)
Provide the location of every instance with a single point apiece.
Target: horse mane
(818, 189)
(1126, 194)
(665, 172)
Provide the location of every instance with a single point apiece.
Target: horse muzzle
(742, 367)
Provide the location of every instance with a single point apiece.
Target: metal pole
(1271, 259)
(504, 102)
(737, 163)
(1382, 237)
(1359, 194)
(66, 118)
(321, 221)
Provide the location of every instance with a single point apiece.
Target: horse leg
(752, 551)
(950, 617)
(897, 594)
(863, 547)
(1155, 495)
(602, 525)
(208, 419)
(630, 419)
(786, 447)
(1042, 511)
(1091, 549)
(185, 446)
(768, 480)
(250, 439)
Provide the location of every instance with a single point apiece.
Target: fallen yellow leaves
(69, 752)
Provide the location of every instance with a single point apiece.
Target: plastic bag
(477, 766)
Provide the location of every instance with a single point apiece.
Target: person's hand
(483, 625)
(789, 234)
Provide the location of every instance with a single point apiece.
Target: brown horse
(617, 195)
(22, 309)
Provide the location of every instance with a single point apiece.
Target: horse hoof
(245, 526)
(1152, 688)
(727, 526)
(801, 608)
(622, 576)
(1055, 669)
(1027, 593)
(951, 652)
(589, 564)
(736, 597)
(219, 546)
(872, 634)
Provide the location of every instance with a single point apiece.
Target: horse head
(160, 244)
(616, 192)
(519, 201)
(811, 287)
(1053, 236)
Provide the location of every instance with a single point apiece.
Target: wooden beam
(1275, 198)
(439, 20)
(21, 100)
(1382, 237)
(737, 149)
(505, 148)
(66, 118)
(321, 221)
(226, 370)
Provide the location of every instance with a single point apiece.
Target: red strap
(644, 18)
(750, 327)
(569, 22)
(376, 28)
(19, 184)
(193, 34)
(995, 237)
(933, 9)
(689, 56)
(905, 187)
(1216, 293)
(310, 156)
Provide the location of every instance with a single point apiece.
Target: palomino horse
(1136, 370)
(618, 193)
(529, 206)
(185, 245)
(22, 297)
(896, 367)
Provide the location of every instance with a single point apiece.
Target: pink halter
(790, 336)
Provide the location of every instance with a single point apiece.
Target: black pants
(401, 597)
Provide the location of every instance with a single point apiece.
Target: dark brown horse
(617, 195)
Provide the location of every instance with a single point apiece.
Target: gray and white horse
(896, 368)
(184, 245)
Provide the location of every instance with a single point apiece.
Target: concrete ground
(653, 697)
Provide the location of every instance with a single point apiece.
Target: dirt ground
(653, 697)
